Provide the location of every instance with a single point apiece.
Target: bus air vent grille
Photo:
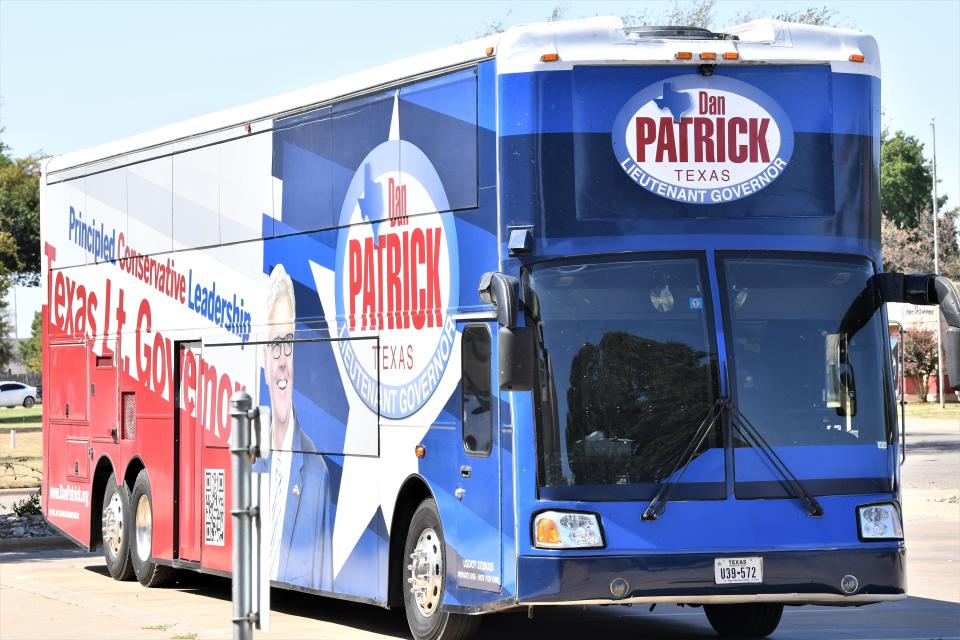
(129, 408)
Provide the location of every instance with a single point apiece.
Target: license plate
(738, 570)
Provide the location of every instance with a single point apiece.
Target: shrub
(29, 506)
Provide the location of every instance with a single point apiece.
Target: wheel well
(133, 470)
(412, 493)
(100, 477)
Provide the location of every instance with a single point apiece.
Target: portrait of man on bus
(297, 524)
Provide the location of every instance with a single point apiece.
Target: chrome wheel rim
(426, 572)
(144, 522)
(113, 524)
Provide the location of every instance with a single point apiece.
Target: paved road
(66, 594)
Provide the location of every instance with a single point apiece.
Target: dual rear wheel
(127, 528)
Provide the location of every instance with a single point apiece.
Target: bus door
(187, 445)
(478, 485)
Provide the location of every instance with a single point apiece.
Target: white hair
(280, 285)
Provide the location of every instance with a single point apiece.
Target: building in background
(918, 318)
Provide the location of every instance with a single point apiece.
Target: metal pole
(241, 512)
(936, 263)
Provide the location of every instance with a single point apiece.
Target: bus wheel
(423, 556)
(748, 620)
(149, 573)
(115, 527)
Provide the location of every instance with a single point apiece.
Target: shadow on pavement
(42, 555)
(908, 619)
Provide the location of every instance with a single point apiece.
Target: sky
(77, 74)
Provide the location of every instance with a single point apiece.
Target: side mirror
(516, 357)
(848, 392)
(840, 386)
(951, 348)
(515, 344)
(832, 362)
(922, 288)
(503, 292)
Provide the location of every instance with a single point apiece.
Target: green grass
(21, 467)
(19, 415)
(921, 410)
(157, 627)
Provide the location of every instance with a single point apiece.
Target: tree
(7, 249)
(906, 203)
(817, 16)
(700, 13)
(20, 216)
(691, 13)
(920, 357)
(905, 179)
(7, 353)
(697, 13)
(31, 350)
(911, 250)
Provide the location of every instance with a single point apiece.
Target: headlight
(567, 530)
(880, 522)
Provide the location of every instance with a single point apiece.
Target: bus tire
(149, 573)
(424, 579)
(115, 528)
(746, 620)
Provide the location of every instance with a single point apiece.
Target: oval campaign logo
(397, 280)
(702, 140)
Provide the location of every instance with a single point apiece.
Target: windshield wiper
(752, 436)
(657, 505)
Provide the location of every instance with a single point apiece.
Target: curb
(35, 544)
(14, 492)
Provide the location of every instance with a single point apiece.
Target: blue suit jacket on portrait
(306, 550)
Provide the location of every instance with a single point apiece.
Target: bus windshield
(802, 385)
(628, 371)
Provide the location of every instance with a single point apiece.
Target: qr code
(213, 512)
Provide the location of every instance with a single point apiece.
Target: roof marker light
(550, 57)
(856, 57)
(489, 51)
(708, 55)
(731, 55)
(684, 55)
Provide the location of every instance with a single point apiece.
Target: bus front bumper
(795, 577)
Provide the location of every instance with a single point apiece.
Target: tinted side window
(7, 387)
(475, 409)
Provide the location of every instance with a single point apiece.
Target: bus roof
(520, 49)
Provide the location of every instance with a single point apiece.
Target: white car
(15, 394)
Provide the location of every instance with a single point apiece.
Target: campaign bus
(574, 314)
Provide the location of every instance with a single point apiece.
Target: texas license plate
(738, 570)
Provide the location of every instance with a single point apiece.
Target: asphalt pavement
(67, 594)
